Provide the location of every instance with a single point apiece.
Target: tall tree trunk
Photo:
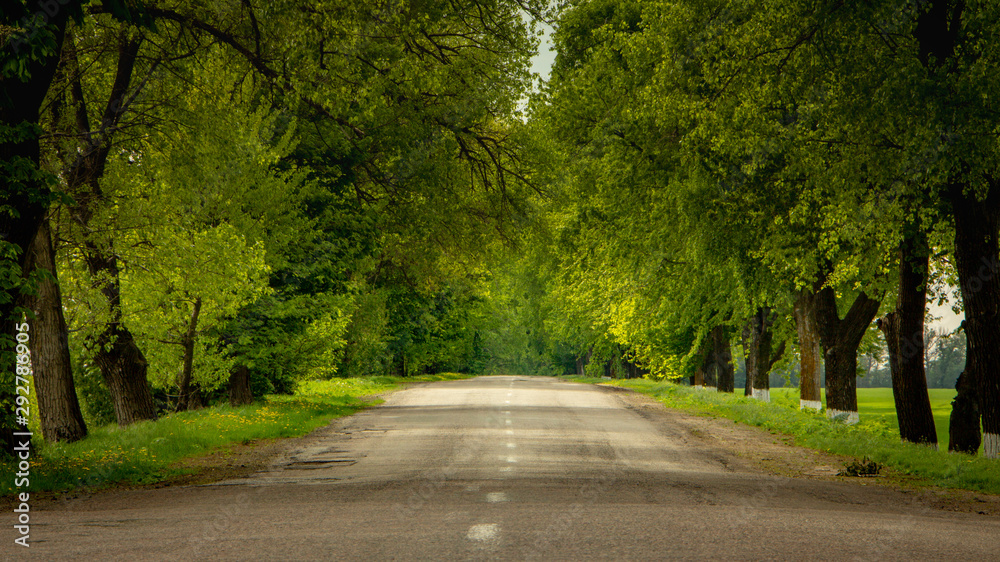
(24, 190)
(240, 393)
(749, 356)
(58, 406)
(810, 357)
(840, 339)
(722, 359)
(583, 360)
(123, 367)
(184, 400)
(976, 225)
(698, 378)
(977, 259)
(122, 363)
(711, 372)
(904, 335)
(116, 353)
(964, 434)
(758, 354)
(747, 379)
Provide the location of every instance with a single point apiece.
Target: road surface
(511, 468)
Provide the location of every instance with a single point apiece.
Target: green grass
(878, 403)
(875, 437)
(147, 452)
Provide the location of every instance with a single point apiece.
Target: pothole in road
(313, 464)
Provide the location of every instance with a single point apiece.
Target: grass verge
(149, 452)
(875, 437)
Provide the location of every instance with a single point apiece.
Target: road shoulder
(747, 448)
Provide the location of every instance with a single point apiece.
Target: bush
(95, 398)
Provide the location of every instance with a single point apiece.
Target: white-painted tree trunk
(811, 405)
(762, 394)
(850, 418)
(991, 445)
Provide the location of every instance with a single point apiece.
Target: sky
(948, 320)
(542, 61)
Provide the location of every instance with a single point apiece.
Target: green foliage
(95, 399)
(367, 337)
(214, 267)
(28, 45)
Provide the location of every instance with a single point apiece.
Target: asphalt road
(508, 468)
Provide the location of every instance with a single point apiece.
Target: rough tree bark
(115, 351)
(25, 196)
(976, 218)
(810, 356)
(759, 359)
(748, 379)
(698, 378)
(964, 433)
(722, 359)
(710, 371)
(184, 395)
(904, 336)
(840, 339)
(240, 393)
(977, 259)
(58, 406)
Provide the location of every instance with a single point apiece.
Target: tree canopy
(261, 193)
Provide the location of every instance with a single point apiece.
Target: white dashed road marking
(497, 497)
(483, 533)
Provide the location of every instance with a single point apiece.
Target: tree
(28, 61)
(113, 91)
(760, 357)
(936, 59)
(186, 287)
(964, 433)
(723, 359)
(810, 356)
(58, 405)
(904, 335)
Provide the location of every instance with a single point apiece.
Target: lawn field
(877, 403)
